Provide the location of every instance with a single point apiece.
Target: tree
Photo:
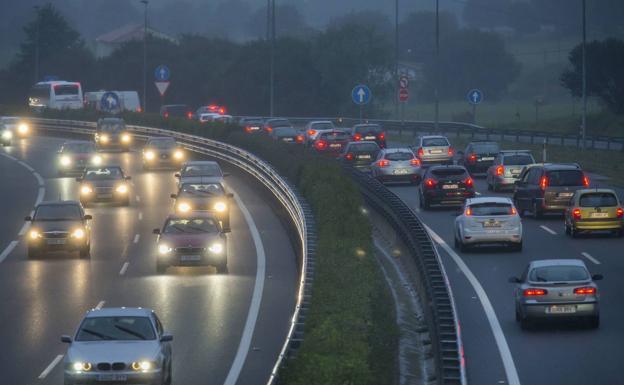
(605, 72)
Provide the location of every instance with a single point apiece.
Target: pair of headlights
(138, 366)
(151, 155)
(66, 160)
(215, 248)
(121, 189)
(184, 207)
(76, 233)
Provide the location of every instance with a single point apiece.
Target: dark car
(191, 240)
(162, 152)
(251, 125)
(331, 142)
(548, 188)
(176, 111)
(74, 156)
(360, 154)
(271, 124)
(479, 156)
(208, 196)
(111, 133)
(287, 135)
(59, 226)
(445, 185)
(369, 132)
(104, 184)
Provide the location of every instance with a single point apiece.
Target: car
(226, 119)
(251, 125)
(199, 171)
(507, 168)
(547, 188)
(478, 156)
(104, 184)
(59, 226)
(75, 155)
(314, 128)
(592, 210)
(273, 123)
(369, 132)
(433, 149)
(488, 220)
(204, 196)
(396, 165)
(360, 154)
(331, 142)
(287, 135)
(176, 111)
(445, 185)
(556, 289)
(162, 152)
(189, 240)
(211, 108)
(18, 127)
(119, 345)
(111, 133)
(206, 117)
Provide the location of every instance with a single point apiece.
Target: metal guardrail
(284, 192)
(433, 286)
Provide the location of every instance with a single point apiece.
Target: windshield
(518, 160)
(58, 213)
(445, 172)
(65, 89)
(598, 200)
(207, 169)
(111, 127)
(103, 173)
(278, 123)
(285, 131)
(335, 136)
(116, 329)
(78, 148)
(373, 129)
(559, 273)
(363, 147)
(487, 148)
(565, 178)
(202, 189)
(322, 126)
(191, 226)
(490, 208)
(162, 144)
(430, 142)
(399, 155)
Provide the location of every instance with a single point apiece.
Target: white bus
(56, 95)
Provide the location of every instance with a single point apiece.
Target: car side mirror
(66, 339)
(128, 178)
(79, 179)
(173, 196)
(226, 174)
(597, 277)
(229, 195)
(28, 218)
(514, 280)
(166, 338)
(88, 217)
(177, 175)
(156, 231)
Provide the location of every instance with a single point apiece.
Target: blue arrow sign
(361, 94)
(109, 102)
(475, 96)
(162, 73)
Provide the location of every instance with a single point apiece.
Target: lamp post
(396, 56)
(584, 70)
(272, 69)
(38, 22)
(145, 2)
(437, 66)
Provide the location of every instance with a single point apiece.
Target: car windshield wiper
(198, 229)
(131, 332)
(99, 335)
(179, 228)
(203, 192)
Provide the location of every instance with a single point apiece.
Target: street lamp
(437, 66)
(584, 70)
(396, 56)
(38, 22)
(145, 2)
(272, 69)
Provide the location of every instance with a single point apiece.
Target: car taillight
(468, 211)
(450, 151)
(311, 133)
(189, 115)
(357, 137)
(472, 158)
(585, 181)
(430, 183)
(349, 156)
(166, 114)
(415, 162)
(383, 163)
(469, 182)
(299, 139)
(139, 109)
(544, 182)
(619, 212)
(513, 211)
(222, 110)
(320, 144)
(382, 136)
(532, 292)
(269, 129)
(576, 213)
(421, 152)
(500, 170)
(585, 290)
(247, 129)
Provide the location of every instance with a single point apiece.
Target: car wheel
(518, 316)
(161, 268)
(85, 252)
(489, 187)
(520, 209)
(517, 246)
(618, 233)
(537, 213)
(594, 322)
(456, 242)
(420, 201)
(495, 188)
(574, 232)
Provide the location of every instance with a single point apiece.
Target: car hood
(45, 226)
(189, 240)
(201, 179)
(103, 182)
(113, 351)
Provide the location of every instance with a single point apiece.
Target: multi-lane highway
(227, 329)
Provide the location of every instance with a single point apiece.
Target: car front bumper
(181, 259)
(153, 377)
(613, 224)
(57, 244)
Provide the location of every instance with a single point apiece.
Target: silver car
(119, 345)
(199, 171)
(396, 165)
(433, 149)
(315, 128)
(507, 168)
(488, 220)
(556, 289)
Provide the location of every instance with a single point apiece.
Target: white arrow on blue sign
(475, 96)
(162, 73)
(361, 94)
(109, 102)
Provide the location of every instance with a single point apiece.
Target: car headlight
(184, 207)
(220, 207)
(82, 366)
(22, 128)
(149, 155)
(65, 160)
(6, 134)
(122, 189)
(34, 234)
(78, 234)
(125, 138)
(142, 365)
(178, 154)
(216, 248)
(164, 248)
(86, 190)
(104, 138)
(96, 160)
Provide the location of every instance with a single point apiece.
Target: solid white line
(548, 230)
(136, 238)
(39, 179)
(50, 367)
(140, 215)
(100, 305)
(499, 336)
(8, 250)
(588, 256)
(40, 196)
(24, 229)
(26, 165)
(256, 298)
(124, 268)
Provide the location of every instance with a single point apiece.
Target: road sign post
(361, 95)
(162, 75)
(475, 97)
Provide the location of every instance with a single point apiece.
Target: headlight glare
(82, 366)
(104, 138)
(149, 155)
(6, 134)
(96, 160)
(34, 234)
(86, 190)
(122, 189)
(184, 207)
(65, 160)
(142, 365)
(164, 248)
(125, 138)
(216, 248)
(178, 154)
(78, 234)
(220, 207)
(22, 128)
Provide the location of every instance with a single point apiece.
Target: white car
(488, 220)
(119, 345)
(315, 128)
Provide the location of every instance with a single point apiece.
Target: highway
(227, 329)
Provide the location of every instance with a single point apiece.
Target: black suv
(445, 185)
(543, 188)
(479, 156)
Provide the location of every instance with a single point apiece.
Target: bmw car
(76, 155)
(163, 152)
(104, 184)
(119, 346)
(204, 196)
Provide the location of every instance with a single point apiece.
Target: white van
(128, 100)
(56, 95)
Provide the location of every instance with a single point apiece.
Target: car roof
(199, 162)
(367, 125)
(554, 166)
(364, 142)
(194, 214)
(58, 203)
(447, 166)
(595, 190)
(490, 199)
(78, 142)
(174, 105)
(397, 149)
(434, 136)
(557, 262)
(320, 121)
(119, 312)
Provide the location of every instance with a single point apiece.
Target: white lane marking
(499, 336)
(26, 165)
(124, 268)
(39, 179)
(8, 250)
(136, 238)
(100, 305)
(588, 256)
(256, 298)
(40, 196)
(138, 198)
(50, 367)
(548, 230)
(140, 215)
(24, 229)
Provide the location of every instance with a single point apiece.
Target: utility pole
(145, 2)
(272, 75)
(437, 67)
(38, 22)
(584, 115)
(268, 21)
(396, 57)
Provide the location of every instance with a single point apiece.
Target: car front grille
(189, 250)
(106, 366)
(103, 190)
(56, 234)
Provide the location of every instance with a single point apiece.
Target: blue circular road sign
(110, 102)
(475, 96)
(361, 94)
(162, 73)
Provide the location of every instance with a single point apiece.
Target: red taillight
(619, 212)
(299, 138)
(222, 110)
(383, 163)
(139, 109)
(513, 211)
(382, 136)
(269, 129)
(450, 151)
(469, 182)
(349, 156)
(421, 152)
(472, 158)
(166, 114)
(311, 133)
(585, 181)
(585, 290)
(189, 115)
(248, 129)
(320, 144)
(357, 137)
(468, 211)
(576, 213)
(415, 162)
(544, 182)
(430, 183)
(500, 170)
(532, 292)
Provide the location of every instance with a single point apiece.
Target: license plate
(369, 137)
(56, 241)
(287, 139)
(561, 309)
(449, 186)
(491, 224)
(565, 194)
(364, 157)
(104, 196)
(254, 128)
(435, 151)
(190, 258)
(112, 377)
(335, 145)
(401, 171)
(515, 172)
(599, 215)
(487, 158)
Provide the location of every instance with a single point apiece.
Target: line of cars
(11, 128)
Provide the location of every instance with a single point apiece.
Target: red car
(331, 142)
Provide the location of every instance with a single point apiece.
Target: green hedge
(350, 333)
